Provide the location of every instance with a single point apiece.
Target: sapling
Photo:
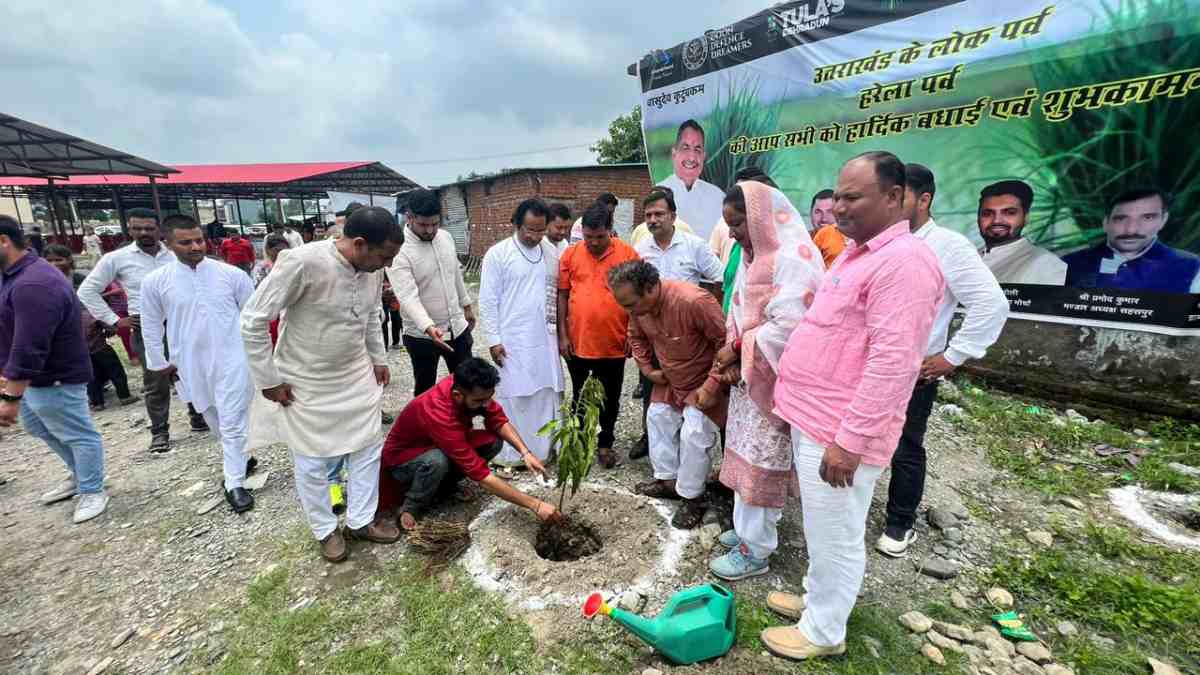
(574, 433)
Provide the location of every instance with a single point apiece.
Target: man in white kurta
(323, 384)
(518, 285)
(199, 300)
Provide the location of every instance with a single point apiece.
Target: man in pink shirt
(845, 378)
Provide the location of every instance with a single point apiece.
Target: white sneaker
(90, 506)
(64, 490)
(895, 548)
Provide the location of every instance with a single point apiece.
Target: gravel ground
(136, 583)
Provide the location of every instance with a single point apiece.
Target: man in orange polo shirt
(591, 325)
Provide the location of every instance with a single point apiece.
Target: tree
(624, 143)
(574, 433)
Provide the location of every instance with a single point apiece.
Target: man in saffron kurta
(844, 382)
(199, 300)
(323, 385)
(682, 326)
(518, 287)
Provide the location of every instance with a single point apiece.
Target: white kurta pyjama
(517, 287)
(201, 308)
(329, 343)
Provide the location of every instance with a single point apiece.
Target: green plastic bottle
(697, 624)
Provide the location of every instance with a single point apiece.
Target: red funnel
(592, 605)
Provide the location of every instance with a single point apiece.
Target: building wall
(490, 204)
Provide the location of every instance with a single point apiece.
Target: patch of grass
(1055, 456)
(752, 619)
(1146, 597)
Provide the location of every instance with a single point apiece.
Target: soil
(567, 543)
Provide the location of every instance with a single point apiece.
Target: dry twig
(442, 541)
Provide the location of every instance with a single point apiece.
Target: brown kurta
(684, 330)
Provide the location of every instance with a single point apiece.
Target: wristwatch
(9, 398)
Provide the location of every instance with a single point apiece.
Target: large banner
(1064, 137)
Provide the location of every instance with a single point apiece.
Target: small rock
(1000, 647)
(631, 601)
(933, 654)
(916, 640)
(1000, 598)
(192, 489)
(126, 526)
(1161, 668)
(652, 671)
(301, 604)
(1058, 422)
(953, 630)
(103, 666)
(874, 646)
(959, 511)
(1102, 642)
(942, 642)
(1040, 538)
(1072, 502)
(1057, 669)
(257, 480)
(1184, 469)
(939, 568)
(916, 621)
(708, 536)
(1066, 629)
(1035, 651)
(959, 601)
(953, 534)
(942, 518)
(122, 637)
(209, 505)
(951, 410)
(1076, 416)
(941, 550)
(1023, 666)
(1140, 433)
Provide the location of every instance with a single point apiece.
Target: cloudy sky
(418, 84)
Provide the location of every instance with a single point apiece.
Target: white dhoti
(679, 445)
(528, 414)
(835, 523)
(231, 428)
(362, 488)
(757, 526)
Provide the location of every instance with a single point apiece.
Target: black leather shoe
(198, 424)
(240, 499)
(251, 465)
(640, 449)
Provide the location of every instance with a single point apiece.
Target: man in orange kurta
(683, 327)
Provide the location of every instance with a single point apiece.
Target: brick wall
(490, 203)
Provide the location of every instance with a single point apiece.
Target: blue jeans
(59, 416)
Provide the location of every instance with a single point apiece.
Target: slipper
(505, 472)
(657, 489)
(1012, 627)
(466, 492)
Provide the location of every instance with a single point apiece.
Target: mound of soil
(577, 539)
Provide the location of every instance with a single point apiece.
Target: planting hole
(566, 543)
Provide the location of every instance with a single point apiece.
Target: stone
(1024, 666)
(708, 536)
(953, 631)
(974, 654)
(192, 489)
(1184, 469)
(942, 642)
(1102, 642)
(1162, 668)
(943, 551)
(998, 646)
(209, 505)
(933, 654)
(257, 480)
(1073, 503)
(939, 568)
(1035, 651)
(1000, 597)
(1140, 433)
(101, 667)
(942, 518)
(953, 534)
(916, 640)
(875, 647)
(1040, 538)
(1066, 629)
(959, 601)
(1057, 669)
(916, 621)
(951, 410)
(300, 604)
(1058, 422)
(122, 637)
(652, 671)
(1075, 416)
(631, 601)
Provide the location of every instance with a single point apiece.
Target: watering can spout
(646, 630)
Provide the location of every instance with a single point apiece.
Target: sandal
(690, 514)
(606, 457)
(466, 491)
(658, 489)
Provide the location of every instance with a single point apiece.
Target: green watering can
(697, 623)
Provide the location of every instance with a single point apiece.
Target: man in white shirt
(331, 354)
(559, 231)
(678, 256)
(1003, 212)
(699, 202)
(428, 283)
(199, 300)
(971, 284)
(127, 266)
(518, 295)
